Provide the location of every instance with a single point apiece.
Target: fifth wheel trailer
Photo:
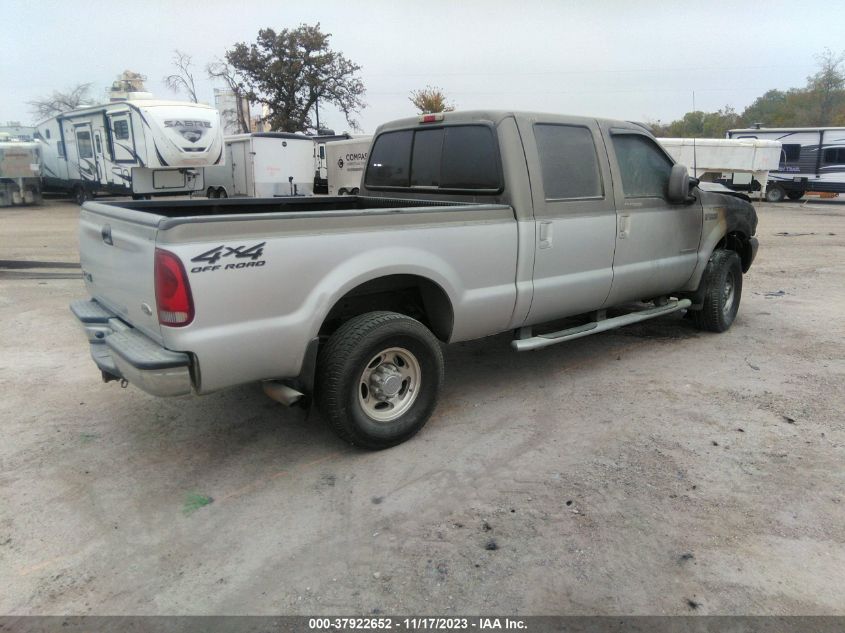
(740, 164)
(140, 147)
(811, 160)
(263, 165)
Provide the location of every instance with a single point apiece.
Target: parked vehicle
(20, 173)
(139, 147)
(812, 160)
(263, 165)
(468, 224)
(321, 166)
(346, 161)
(739, 164)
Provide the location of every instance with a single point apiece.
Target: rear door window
(448, 158)
(83, 140)
(569, 161)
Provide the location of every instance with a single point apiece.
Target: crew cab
(468, 224)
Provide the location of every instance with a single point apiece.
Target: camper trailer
(811, 160)
(263, 165)
(140, 147)
(20, 171)
(345, 162)
(740, 164)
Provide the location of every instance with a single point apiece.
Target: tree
(183, 79)
(292, 71)
(430, 100)
(59, 102)
(827, 84)
(218, 69)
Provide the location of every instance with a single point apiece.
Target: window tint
(450, 157)
(121, 130)
(791, 152)
(425, 162)
(469, 158)
(569, 161)
(61, 147)
(645, 169)
(97, 143)
(83, 141)
(390, 161)
(834, 155)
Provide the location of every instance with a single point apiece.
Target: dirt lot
(651, 470)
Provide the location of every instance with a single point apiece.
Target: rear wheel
(794, 195)
(775, 193)
(722, 283)
(378, 379)
(211, 193)
(355, 191)
(221, 193)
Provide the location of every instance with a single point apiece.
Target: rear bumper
(123, 352)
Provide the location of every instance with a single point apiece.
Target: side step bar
(553, 338)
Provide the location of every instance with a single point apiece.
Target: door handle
(624, 226)
(545, 234)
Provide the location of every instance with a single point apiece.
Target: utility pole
(317, 109)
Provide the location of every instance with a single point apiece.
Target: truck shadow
(241, 426)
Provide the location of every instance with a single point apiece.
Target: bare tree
(59, 102)
(218, 69)
(183, 79)
(430, 100)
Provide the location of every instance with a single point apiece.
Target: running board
(553, 338)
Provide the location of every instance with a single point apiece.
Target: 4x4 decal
(211, 257)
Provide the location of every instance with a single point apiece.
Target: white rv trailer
(321, 168)
(741, 164)
(263, 165)
(345, 162)
(20, 173)
(812, 159)
(139, 147)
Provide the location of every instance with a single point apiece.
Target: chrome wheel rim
(728, 294)
(389, 384)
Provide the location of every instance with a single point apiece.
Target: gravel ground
(649, 470)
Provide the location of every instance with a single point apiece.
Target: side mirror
(679, 185)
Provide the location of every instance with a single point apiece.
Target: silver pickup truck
(468, 224)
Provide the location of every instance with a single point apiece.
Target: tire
(775, 193)
(341, 192)
(794, 195)
(81, 194)
(355, 191)
(367, 359)
(221, 193)
(211, 193)
(722, 284)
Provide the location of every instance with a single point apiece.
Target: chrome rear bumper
(123, 352)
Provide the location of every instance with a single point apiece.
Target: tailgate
(117, 251)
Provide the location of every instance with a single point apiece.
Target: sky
(634, 60)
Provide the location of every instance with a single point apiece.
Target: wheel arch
(411, 294)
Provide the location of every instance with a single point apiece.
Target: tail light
(173, 292)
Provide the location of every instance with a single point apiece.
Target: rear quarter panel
(254, 321)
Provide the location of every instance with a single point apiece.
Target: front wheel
(722, 283)
(378, 379)
(81, 194)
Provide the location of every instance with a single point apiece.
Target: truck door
(656, 241)
(87, 161)
(575, 217)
